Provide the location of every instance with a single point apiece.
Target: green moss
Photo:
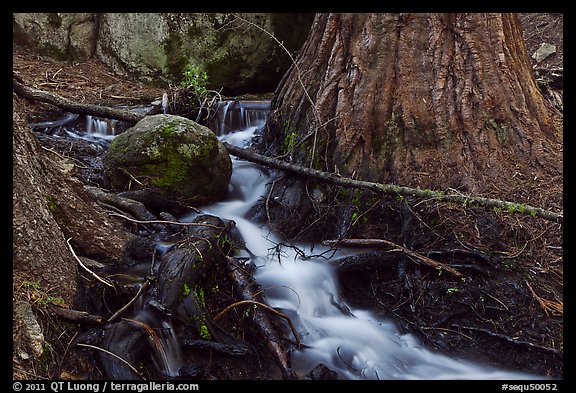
(172, 170)
(205, 333)
(167, 129)
(51, 203)
(289, 141)
(501, 129)
(199, 294)
(47, 353)
(186, 290)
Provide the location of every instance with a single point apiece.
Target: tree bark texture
(50, 206)
(425, 100)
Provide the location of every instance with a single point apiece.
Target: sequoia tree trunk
(422, 100)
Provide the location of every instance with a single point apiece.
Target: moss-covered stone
(173, 154)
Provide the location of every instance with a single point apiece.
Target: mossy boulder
(174, 155)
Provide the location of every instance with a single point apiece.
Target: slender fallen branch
(446, 330)
(105, 282)
(112, 354)
(513, 341)
(383, 188)
(131, 302)
(386, 243)
(187, 224)
(266, 307)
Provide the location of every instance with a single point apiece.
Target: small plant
(452, 291)
(186, 290)
(195, 80)
(39, 296)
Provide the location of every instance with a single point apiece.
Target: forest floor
(510, 316)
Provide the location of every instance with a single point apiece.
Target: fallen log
(382, 188)
(74, 107)
(77, 316)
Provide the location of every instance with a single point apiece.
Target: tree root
(396, 247)
(513, 341)
(249, 290)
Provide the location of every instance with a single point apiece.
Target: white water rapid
(356, 344)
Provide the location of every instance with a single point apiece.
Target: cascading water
(353, 342)
(234, 116)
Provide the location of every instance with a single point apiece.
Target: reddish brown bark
(423, 100)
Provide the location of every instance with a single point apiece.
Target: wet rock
(321, 372)
(173, 155)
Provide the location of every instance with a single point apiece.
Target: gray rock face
(173, 155)
(62, 36)
(236, 54)
(31, 329)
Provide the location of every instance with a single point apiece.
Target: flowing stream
(353, 342)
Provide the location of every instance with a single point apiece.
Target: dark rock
(321, 372)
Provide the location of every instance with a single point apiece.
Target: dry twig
(112, 354)
(266, 307)
(105, 282)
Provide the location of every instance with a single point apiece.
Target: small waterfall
(102, 128)
(234, 116)
(353, 342)
(166, 349)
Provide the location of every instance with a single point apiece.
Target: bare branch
(105, 282)
(266, 307)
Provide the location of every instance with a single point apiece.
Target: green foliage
(51, 203)
(41, 297)
(199, 294)
(195, 80)
(47, 352)
(452, 291)
(186, 290)
(249, 309)
(289, 141)
(204, 333)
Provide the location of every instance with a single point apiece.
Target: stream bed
(300, 280)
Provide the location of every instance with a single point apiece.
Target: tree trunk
(422, 100)
(50, 206)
